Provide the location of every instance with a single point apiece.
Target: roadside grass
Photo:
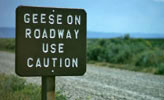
(15, 88)
(7, 44)
(129, 67)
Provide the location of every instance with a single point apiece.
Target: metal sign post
(48, 88)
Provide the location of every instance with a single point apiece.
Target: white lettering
(77, 20)
(43, 18)
(52, 33)
(68, 35)
(60, 33)
(76, 33)
(60, 48)
(74, 62)
(28, 33)
(51, 19)
(44, 35)
(60, 62)
(26, 18)
(54, 62)
(45, 62)
(37, 33)
(34, 18)
(45, 47)
(28, 62)
(53, 48)
(67, 62)
(38, 64)
(69, 19)
(59, 19)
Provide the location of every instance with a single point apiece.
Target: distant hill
(91, 34)
(10, 33)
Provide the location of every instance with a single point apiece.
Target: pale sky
(123, 16)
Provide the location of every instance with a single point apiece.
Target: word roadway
(51, 33)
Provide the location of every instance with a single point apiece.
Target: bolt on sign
(50, 41)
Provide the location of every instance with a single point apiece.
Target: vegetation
(7, 44)
(14, 88)
(145, 55)
(125, 53)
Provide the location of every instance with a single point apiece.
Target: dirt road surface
(99, 83)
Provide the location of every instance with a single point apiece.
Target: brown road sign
(50, 41)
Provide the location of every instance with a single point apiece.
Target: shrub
(150, 58)
(14, 88)
(136, 52)
(160, 69)
(7, 44)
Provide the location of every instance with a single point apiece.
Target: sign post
(48, 88)
(50, 42)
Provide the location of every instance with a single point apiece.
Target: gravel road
(100, 83)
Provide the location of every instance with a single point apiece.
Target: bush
(136, 52)
(150, 58)
(96, 52)
(7, 44)
(115, 50)
(160, 69)
(14, 88)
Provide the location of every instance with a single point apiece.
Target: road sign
(50, 41)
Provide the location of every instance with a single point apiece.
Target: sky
(119, 16)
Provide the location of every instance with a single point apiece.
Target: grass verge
(153, 70)
(7, 44)
(15, 88)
